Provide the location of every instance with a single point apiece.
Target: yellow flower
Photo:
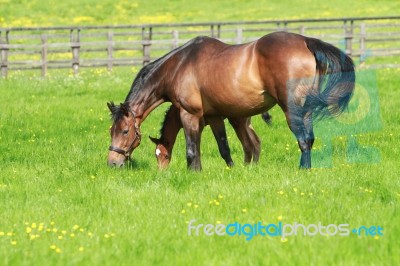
(183, 211)
(75, 227)
(189, 204)
(295, 189)
(220, 196)
(60, 237)
(281, 192)
(284, 240)
(196, 206)
(72, 235)
(302, 193)
(2, 234)
(106, 236)
(244, 210)
(63, 232)
(28, 230)
(13, 242)
(53, 247)
(280, 218)
(58, 250)
(32, 237)
(9, 233)
(81, 249)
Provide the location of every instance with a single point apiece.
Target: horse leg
(300, 124)
(193, 126)
(218, 128)
(248, 138)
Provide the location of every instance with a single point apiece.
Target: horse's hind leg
(301, 125)
(193, 126)
(248, 138)
(218, 128)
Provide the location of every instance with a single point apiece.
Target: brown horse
(172, 125)
(306, 77)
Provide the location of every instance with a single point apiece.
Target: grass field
(62, 205)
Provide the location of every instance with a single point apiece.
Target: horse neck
(170, 129)
(144, 102)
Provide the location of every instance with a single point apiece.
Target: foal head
(125, 134)
(162, 154)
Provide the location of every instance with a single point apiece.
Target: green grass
(54, 139)
(62, 205)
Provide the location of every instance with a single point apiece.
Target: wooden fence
(129, 45)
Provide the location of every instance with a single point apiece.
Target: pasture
(62, 205)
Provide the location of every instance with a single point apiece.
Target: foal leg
(248, 138)
(193, 126)
(218, 128)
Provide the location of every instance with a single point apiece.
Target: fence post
(239, 35)
(4, 56)
(75, 45)
(175, 39)
(302, 29)
(44, 54)
(146, 43)
(363, 33)
(348, 33)
(110, 51)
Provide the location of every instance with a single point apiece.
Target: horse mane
(146, 72)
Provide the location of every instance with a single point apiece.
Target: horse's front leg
(193, 126)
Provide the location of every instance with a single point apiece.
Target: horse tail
(336, 80)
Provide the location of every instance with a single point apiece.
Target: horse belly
(238, 103)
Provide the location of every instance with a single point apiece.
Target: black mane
(146, 71)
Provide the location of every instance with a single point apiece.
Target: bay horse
(305, 76)
(172, 125)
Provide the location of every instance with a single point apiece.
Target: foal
(245, 132)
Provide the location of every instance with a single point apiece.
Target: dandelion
(58, 250)
(89, 234)
(81, 230)
(9, 233)
(310, 194)
(281, 192)
(81, 249)
(2, 234)
(244, 210)
(189, 204)
(219, 222)
(196, 206)
(60, 237)
(33, 225)
(28, 230)
(376, 237)
(284, 240)
(63, 232)
(106, 236)
(280, 218)
(72, 235)
(183, 211)
(52, 223)
(53, 247)
(32, 237)
(13, 242)
(302, 194)
(217, 203)
(55, 230)
(220, 196)
(295, 189)
(75, 227)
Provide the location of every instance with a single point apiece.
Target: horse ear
(111, 106)
(124, 109)
(154, 140)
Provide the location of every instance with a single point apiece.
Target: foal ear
(154, 140)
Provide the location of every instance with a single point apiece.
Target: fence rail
(128, 45)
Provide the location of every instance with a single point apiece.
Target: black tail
(336, 76)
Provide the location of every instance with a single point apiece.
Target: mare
(306, 77)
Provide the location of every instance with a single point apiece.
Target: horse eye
(125, 132)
